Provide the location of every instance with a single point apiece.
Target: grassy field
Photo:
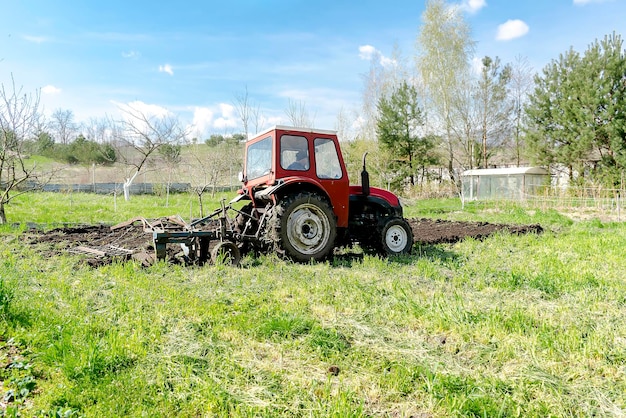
(519, 326)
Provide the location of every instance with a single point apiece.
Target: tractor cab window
(259, 158)
(294, 153)
(327, 161)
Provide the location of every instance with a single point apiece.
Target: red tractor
(301, 205)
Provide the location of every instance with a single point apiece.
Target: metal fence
(576, 202)
(109, 188)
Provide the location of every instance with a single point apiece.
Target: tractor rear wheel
(396, 237)
(305, 227)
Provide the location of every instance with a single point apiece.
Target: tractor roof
(297, 129)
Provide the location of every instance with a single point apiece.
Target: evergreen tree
(399, 128)
(576, 114)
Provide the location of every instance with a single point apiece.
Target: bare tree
(20, 121)
(446, 47)
(257, 118)
(384, 75)
(170, 157)
(98, 130)
(493, 106)
(373, 90)
(521, 85)
(248, 112)
(344, 125)
(211, 165)
(63, 126)
(465, 126)
(243, 108)
(139, 135)
(298, 114)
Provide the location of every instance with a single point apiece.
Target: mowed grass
(531, 325)
(52, 209)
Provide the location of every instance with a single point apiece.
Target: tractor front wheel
(305, 227)
(397, 237)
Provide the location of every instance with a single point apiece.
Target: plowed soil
(100, 244)
(436, 231)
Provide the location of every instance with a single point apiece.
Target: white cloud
(512, 29)
(271, 121)
(202, 119)
(368, 53)
(35, 39)
(228, 119)
(205, 121)
(166, 69)
(135, 112)
(132, 55)
(148, 110)
(50, 89)
(581, 2)
(473, 6)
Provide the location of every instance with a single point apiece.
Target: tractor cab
(285, 160)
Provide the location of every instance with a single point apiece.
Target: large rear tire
(305, 227)
(396, 237)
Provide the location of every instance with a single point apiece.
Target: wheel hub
(306, 229)
(396, 238)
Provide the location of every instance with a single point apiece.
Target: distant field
(524, 326)
(189, 169)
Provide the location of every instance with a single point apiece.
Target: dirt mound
(437, 231)
(101, 244)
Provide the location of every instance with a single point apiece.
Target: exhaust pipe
(365, 179)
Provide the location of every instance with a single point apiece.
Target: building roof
(506, 171)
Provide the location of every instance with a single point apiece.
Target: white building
(503, 183)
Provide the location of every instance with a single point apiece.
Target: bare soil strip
(101, 244)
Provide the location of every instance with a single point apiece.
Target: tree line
(440, 111)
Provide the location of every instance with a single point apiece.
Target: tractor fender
(387, 203)
(269, 192)
(377, 193)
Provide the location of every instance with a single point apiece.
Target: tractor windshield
(259, 158)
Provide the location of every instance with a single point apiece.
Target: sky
(192, 59)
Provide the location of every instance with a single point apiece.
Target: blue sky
(192, 58)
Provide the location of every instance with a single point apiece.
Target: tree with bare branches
(20, 121)
(298, 114)
(249, 112)
(521, 86)
(445, 47)
(211, 164)
(63, 126)
(139, 136)
(494, 109)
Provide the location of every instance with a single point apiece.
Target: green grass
(505, 212)
(516, 326)
(84, 208)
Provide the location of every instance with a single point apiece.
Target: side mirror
(241, 177)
